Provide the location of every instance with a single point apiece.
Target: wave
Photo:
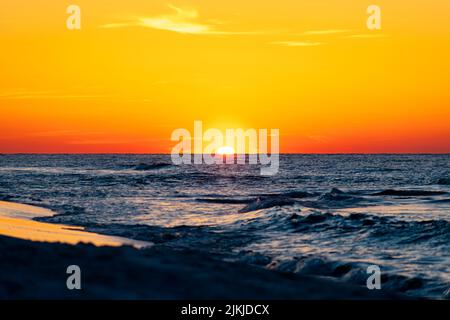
(443, 181)
(5, 197)
(350, 272)
(440, 201)
(298, 194)
(151, 166)
(381, 229)
(268, 202)
(224, 200)
(336, 195)
(207, 176)
(261, 201)
(334, 199)
(408, 193)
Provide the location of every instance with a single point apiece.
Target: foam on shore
(16, 221)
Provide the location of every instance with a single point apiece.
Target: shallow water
(323, 214)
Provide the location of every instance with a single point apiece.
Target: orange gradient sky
(138, 69)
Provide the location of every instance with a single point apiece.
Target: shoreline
(35, 256)
(16, 220)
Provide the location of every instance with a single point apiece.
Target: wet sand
(15, 221)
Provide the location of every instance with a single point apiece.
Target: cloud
(298, 43)
(366, 36)
(313, 33)
(183, 21)
(325, 32)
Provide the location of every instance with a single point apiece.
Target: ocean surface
(329, 215)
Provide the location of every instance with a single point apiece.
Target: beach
(16, 221)
(118, 268)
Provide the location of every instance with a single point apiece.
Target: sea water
(329, 215)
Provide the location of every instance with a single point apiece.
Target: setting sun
(225, 150)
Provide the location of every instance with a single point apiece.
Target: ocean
(327, 215)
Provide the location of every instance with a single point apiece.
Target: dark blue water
(331, 215)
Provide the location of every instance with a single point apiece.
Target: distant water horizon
(281, 153)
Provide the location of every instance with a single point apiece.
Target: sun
(225, 150)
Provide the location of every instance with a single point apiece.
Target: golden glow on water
(225, 150)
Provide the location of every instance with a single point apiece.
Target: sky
(139, 69)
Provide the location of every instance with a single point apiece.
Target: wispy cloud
(181, 20)
(298, 43)
(325, 32)
(366, 36)
(334, 33)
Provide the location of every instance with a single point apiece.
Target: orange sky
(138, 69)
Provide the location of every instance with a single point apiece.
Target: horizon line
(280, 153)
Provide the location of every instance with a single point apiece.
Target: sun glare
(225, 150)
